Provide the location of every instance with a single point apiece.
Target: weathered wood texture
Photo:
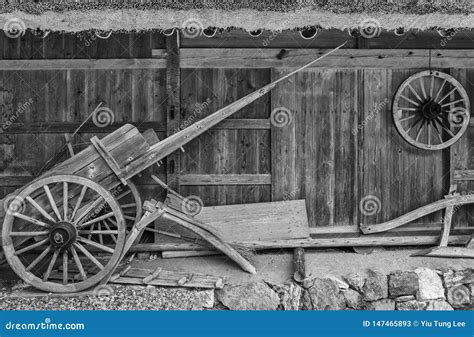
(340, 148)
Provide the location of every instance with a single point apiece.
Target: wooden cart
(77, 210)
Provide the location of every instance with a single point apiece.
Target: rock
(375, 286)
(456, 277)
(459, 296)
(405, 298)
(438, 305)
(354, 300)
(385, 304)
(340, 283)
(402, 283)
(355, 281)
(323, 295)
(203, 299)
(411, 305)
(430, 286)
(291, 298)
(143, 255)
(250, 296)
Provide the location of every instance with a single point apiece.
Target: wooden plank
(259, 221)
(225, 179)
(173, 115)
(85, 64)
(344, 58)
(191, 253)
(449, 252)
(171, 279)
(336, 242)
(408, 228)
(70, 127)
(463, 175)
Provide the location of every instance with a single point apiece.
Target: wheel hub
(63, 235)
(431, 110)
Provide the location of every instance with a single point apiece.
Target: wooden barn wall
(339, 149)
(62, 99)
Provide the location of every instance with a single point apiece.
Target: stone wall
(420, 289)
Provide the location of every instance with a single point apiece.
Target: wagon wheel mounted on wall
(49, 238)
(431, 110)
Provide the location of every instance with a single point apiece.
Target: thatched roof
(77, 15)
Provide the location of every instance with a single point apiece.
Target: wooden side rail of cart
(449, 204)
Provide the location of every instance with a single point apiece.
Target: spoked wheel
(431, 110)
(49, 237)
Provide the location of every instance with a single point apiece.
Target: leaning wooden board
(267, 221)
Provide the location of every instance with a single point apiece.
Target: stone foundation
(419, 289)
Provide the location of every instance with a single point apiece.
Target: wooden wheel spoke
(446, 96)
(429, 132)
(88, 255)
(38, 258)
(413, 125)
(443, 126)
(415, 93)
(79, 202)
(419, 130)
(409, 100)
(51, 265)
(89, 209)
(52, 202)
(452, 103)
(65, 267)
(19, 234)
(438, 132)
(31, 220)
(431, 85)
(33, 246)
(97, 232)
(65, 200)
(96, 245)
(124, 194)
(111, 231)
(407, 118)
(128, 206)
(77, 260)
(423, 90)
(440, 89)
(40, 209)
(407, 109)
(100, 218)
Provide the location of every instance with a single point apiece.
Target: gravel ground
(111, 297)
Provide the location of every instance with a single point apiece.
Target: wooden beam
(173, 111)
(463, 175)
(63, 127)
(336, 242)
(83, 64)
(225, 179)
(344, 58)
(434, 227)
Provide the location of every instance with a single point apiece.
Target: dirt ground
(277, 266)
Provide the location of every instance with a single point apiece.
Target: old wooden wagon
(380, 130)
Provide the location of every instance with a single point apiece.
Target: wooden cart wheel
(431, 110)
(49, 226)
